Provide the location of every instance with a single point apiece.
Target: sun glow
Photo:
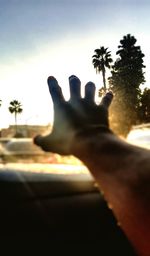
(53, 168)
(26, 80)
(140, 137)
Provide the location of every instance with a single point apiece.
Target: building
(25, 131)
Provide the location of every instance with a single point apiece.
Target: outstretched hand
(73, 116)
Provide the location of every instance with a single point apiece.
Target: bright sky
(39, 38)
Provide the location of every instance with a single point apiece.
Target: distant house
(25, 131)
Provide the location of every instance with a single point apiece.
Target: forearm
(123, 174)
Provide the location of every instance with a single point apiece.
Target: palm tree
(101, 61)
(16, 108)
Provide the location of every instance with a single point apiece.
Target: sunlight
(63, 169)
(139, 137)
(28, 80)
(138, 134)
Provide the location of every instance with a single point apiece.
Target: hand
(73, 116)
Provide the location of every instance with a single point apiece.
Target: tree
(15, 108)
(101, 61)
(126, 77)
(145, 106)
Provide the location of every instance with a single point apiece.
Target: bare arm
(81, 128)
(123, 174)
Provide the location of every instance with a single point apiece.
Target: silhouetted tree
(126, 77)
(15, 108)
(145, 106)
(101, 61)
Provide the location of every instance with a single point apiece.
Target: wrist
(91, 139)
(102, 150)
(93, 130)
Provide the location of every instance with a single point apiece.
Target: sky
(39, 38)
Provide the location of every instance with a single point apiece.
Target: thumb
(44, 142)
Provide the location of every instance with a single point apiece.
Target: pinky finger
(106, 100)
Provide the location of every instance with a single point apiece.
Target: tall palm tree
(101, 61)
(15, 108)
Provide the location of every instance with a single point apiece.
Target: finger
(43, 142)
(106, 100)
(90, 91)
(75, 87)
(55, 90)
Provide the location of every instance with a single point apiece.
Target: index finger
(106, 100)
(55, 90)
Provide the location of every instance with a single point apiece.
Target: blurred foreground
(22, 150)
(22, 155)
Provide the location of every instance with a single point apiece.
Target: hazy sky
(51, 37)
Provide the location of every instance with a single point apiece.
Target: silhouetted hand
(78, 115)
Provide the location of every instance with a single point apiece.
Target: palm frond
(15, 107)
(11, 109)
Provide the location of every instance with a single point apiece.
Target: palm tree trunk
(104, 80)
(16, 122)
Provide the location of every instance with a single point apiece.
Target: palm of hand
(73, 115)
